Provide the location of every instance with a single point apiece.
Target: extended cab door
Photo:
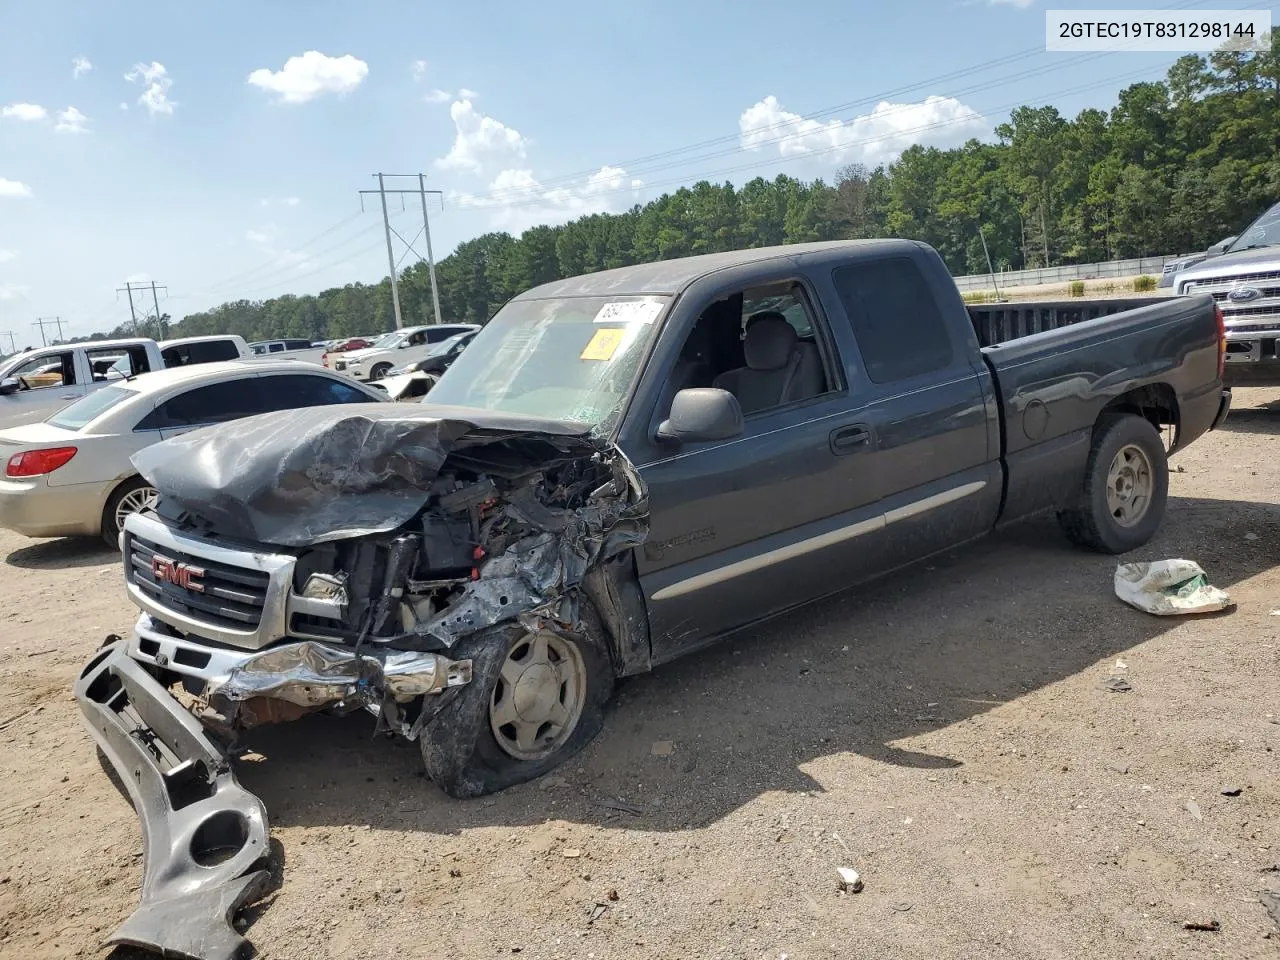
(785, 512)
(917, 378)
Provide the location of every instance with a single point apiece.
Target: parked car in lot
(36, 383)
(397, 348)
(1245, 284)
(414, 380)
(72, 475)
(1172, 268)
(335, 348)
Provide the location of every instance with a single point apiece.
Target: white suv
(396, 349)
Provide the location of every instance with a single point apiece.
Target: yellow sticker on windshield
(604, 344)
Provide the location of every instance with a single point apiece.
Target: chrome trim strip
(759, 562)
(933, 502)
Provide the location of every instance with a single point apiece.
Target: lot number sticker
(629, 311)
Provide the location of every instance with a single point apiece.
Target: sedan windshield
(563, 359)
(388, 340)
(84, 411)
(1263, 232)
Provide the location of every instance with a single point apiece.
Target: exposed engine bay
(403, 532)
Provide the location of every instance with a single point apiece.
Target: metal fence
(1076, 271)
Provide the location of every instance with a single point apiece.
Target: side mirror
(702, 413)
(9, 385)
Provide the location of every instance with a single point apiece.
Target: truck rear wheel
(534, 700)
(1126, 487)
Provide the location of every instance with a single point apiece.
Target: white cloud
(13, 188)
(256, 236)
(12, 291)
(437, 96)
(156, 96)
(481, 142)
(468, 94)
(124, 106)
(280, 201)
(291, 201)
(71, 120)
(518, 200)
(874, 138)
(8, 255)
(79, 67)
(1020, 4)
(29, 112)
(310, 75)
(419, 69)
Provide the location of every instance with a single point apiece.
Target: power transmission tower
(49, 321)
(13, 348)
(422, 192)
(130, 289)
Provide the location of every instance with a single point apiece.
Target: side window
(216, 403)
(51, 370)
(291, 391)
(419, 338)
(211, 351)
(129, 361)
(761, 345)
(898, 327)
(275, 348)
(298, 344)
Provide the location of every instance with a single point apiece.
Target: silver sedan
(72, 475)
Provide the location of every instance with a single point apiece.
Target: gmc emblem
(179, 574)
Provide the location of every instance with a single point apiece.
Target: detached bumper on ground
(205, 836)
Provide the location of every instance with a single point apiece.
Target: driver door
(46, 384)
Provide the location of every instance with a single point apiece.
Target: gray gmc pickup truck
(623, 467)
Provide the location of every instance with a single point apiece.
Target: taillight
(1222, 341)
(36, 463)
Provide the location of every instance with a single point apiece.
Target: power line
(642, 165)
(132, 288)
(12, 346)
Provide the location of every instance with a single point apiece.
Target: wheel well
(1156, 403)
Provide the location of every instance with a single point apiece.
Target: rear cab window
(208, 351)
(899, 330)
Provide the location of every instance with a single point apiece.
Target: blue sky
(218, 147)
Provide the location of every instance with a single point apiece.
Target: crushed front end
(324, 561)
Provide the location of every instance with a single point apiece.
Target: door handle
(850, 439)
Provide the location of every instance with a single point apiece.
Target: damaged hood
(329, 473)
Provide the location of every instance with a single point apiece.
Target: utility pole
(422, 192)
(13, 348)
(41, 322)
(426, 230)
(391, 257)
(133, 313)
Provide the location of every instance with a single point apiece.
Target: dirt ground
(947, 734)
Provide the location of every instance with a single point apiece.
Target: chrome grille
(231, 597)
(1237, 315)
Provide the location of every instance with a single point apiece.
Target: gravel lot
(946, 733)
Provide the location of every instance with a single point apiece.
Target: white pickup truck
(37, 383)
(395, 349)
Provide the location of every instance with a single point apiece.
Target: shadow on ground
(899, 659)
(62, 554)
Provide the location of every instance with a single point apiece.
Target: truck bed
(998, 323)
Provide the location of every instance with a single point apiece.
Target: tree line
(1173, 167)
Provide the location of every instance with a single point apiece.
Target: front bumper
(204, 836)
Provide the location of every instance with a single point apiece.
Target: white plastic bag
(1168, 588)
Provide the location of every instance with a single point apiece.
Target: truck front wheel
(535, 699)
(1126, 487)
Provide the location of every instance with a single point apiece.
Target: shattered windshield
(568, 359)
(1263, 232)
